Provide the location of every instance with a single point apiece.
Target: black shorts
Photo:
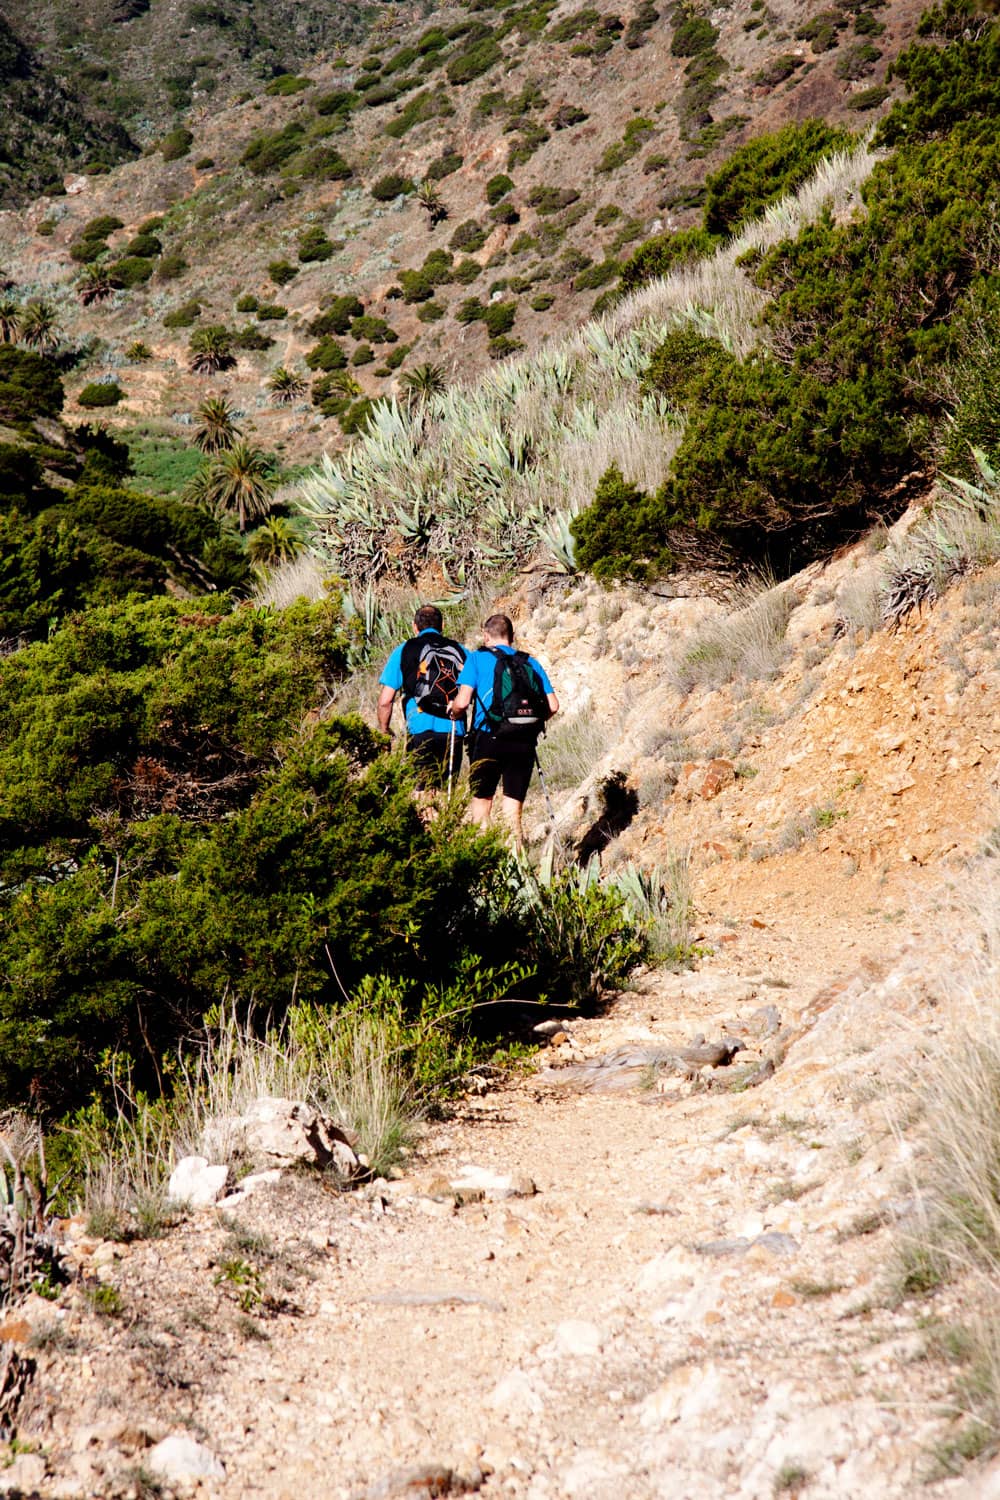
(493, 762)
(431, 751)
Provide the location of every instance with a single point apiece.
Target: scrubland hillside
(291, 1201)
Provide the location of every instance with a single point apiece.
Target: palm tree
(211, 350)
(95, 284)
(430, 199)
(241, 482)
(285, 386)
(10, 320)
(217, 428)
(344, 383)
(40, 325)
(423, 381)
(274, 541)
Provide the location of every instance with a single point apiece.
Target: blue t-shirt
(416, 722)
(478, 675)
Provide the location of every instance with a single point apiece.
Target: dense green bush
(176, 144)
(498, 187)
(429, 104)
(392, 185)
(336, 315)
(374, 330)
(184, 316)
(270, 150)
(442, 166)
(170, 266)
(473, 63)
(327, 355)
(282, 272)
(617, 535)
(285, 85)
(335, 102)
(665, 253)
(131, 271)
(30, 386)
(764, 170)
(314, 245)
(101, 393)
(692, 33)
(469, 236)
(271, 312)
(146, 245)
(417, 286)
(637, 133)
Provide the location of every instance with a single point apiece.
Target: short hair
(499, 627)
(428, 617)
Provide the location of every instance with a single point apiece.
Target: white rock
(195, 1182)
(515, 1396)
(179, 1457)
(283, 1131)
(494, 1185)
(688, 1392)
(575, 1336)
(25, 1474)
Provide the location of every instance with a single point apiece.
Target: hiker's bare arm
(387, 698)
(553, 703)
(460, 702)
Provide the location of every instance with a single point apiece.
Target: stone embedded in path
(197, 1183)
(179, 1457)
(493, 1185)
(281, 1132)
(427, 1481)
(576, 1336)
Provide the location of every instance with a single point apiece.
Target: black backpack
(430, 665)
(520, 703)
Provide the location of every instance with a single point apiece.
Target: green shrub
(764, 170)
(431, 312)
(550, 200)
(169, 267)
(469, 311)
(530, 135)
(644, 17)
(637, 133)
(204, 163)
(145, 245)
(374, 330)
(30, 386)
(542, 302)
(857, 60)
(100, 393)
(269, 150)
(314, 245)
(692, 33)
(247, 303)
(502, 347)
(184, 316)
(869, 98)
(176, 143)
(416, 285)
(363, 355)
(438, 267)
(683, 357)
(596, 276)
(466, 271)
(777, 70)
(821, 31)
(335, 102)
(271, 312)
(285, 85)
(499, 317)
(131, 271)
(664, 253)
(252, 338)
(356, 417)
(323, 163)
(392, 185)
(469, 236)
(282, 272)
(442, 166)
(336, 315)
(429, 104)
(498, 187)
(616, 536)
(474, 62)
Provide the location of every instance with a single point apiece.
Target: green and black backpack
(520, 704)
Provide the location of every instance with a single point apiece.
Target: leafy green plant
(314, 245)
(176, 144)
(391, 185)
(764, 170)
(101, 393)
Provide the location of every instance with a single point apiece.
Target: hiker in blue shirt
(424, 670)
(513, 699)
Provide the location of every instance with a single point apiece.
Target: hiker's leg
(512, 810)
(517, 765)
(484, 778)
(479, 811)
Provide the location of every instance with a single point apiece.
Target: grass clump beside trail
(958, 1231)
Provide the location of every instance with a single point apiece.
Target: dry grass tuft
(747, 644)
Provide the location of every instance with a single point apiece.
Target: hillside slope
(554, 139)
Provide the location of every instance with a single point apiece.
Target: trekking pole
(451, 753)
(545, 791)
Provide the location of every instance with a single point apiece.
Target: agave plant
(431, 201)
(285, 386)
(217, 427)
(39, 325)
(211, 351)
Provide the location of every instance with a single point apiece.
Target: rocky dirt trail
(673, 1287)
